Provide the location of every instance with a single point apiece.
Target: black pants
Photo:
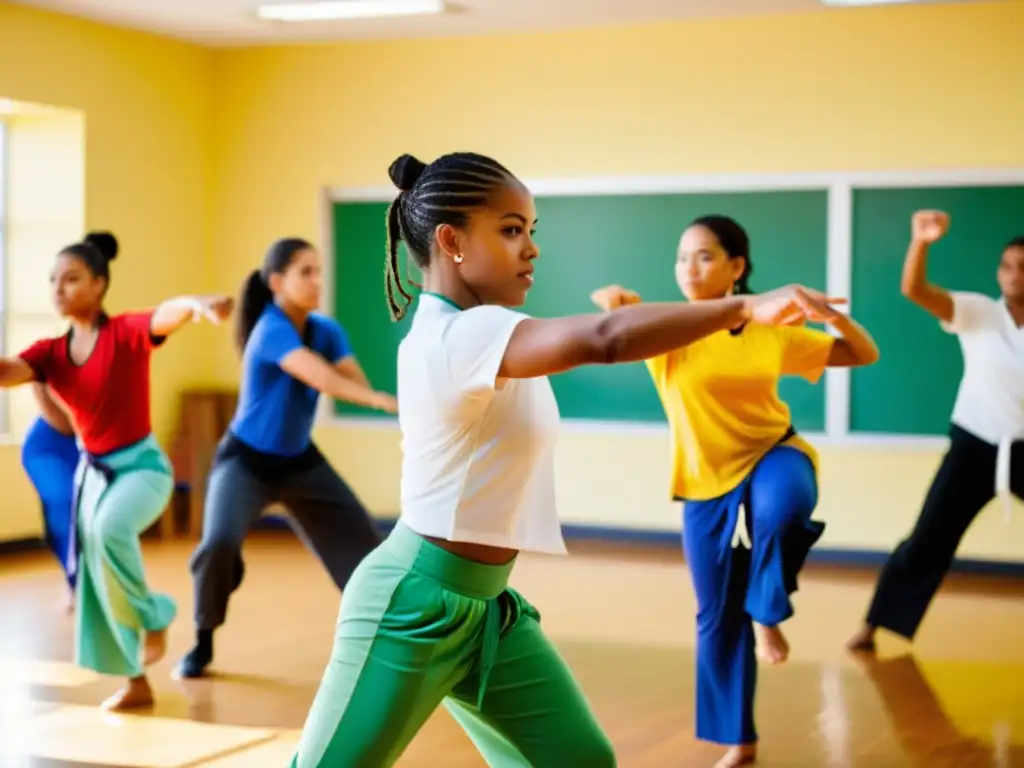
(964, 484)
(325, 513)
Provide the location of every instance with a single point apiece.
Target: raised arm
(54, 415)
(639, 331)
(314, 371)
(927, 227)
(173, 314)
(14, 371)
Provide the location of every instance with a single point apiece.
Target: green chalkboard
(586, 242)
(911, 390)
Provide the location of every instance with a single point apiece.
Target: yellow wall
(148, 106)
(881, 89)
(902, 88)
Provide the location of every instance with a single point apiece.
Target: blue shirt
(275, 411)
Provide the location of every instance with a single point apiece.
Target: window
(42, 208)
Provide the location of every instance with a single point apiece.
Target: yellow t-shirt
(721, 399)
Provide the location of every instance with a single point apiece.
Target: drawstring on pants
(741, 531)
(91, 462)
(489, 647)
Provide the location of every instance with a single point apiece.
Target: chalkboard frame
(839, 186)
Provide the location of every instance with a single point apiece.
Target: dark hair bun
(105, 243)
(406, 171)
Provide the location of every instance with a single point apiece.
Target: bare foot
(772, 646)
(863, 641)
(743, 754)
(136, 695)
(155, 647)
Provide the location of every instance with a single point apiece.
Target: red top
(108, 394)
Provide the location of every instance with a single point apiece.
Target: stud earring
(457, 258)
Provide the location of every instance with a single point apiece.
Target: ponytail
(743, 284)
(392, 275)
(255, 296)
(256, 293)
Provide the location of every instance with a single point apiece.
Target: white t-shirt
(477, 451)
(990, 402)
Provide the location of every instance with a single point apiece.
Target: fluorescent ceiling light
(851, 3)
(348, 9)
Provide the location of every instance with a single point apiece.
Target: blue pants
(744, 550)
(50, 458)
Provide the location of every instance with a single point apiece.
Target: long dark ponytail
(256, 293)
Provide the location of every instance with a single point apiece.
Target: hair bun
(406, 171)
(105, 243)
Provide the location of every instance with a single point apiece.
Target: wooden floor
(624, 621)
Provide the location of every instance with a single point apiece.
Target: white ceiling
(234, 22)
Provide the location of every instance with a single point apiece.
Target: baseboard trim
(17, 546)
(825, 556)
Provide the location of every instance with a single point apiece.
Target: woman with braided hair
(428, 616)
(290, 355)
(747, 480)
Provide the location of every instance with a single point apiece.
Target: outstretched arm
(173, 314)
(640, 331)
(350, 368)
(544, 347)
(314, 371)
(14, 371)
(854, 348)
(927, 227)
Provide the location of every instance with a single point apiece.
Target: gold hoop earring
(457, 258)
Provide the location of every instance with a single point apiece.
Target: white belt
(740, 534)
(1003, 492)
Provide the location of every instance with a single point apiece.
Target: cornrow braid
(392, 278)
(444, 192)
(734, 241)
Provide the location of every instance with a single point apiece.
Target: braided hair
(444, 192)
(734, 241)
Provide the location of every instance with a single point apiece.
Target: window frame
(5, 136)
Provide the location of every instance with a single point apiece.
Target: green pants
(119, 496)
(419, 626)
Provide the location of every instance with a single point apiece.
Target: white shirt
(990, 401)
(477, 450)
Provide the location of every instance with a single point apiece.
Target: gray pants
(325, 514)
